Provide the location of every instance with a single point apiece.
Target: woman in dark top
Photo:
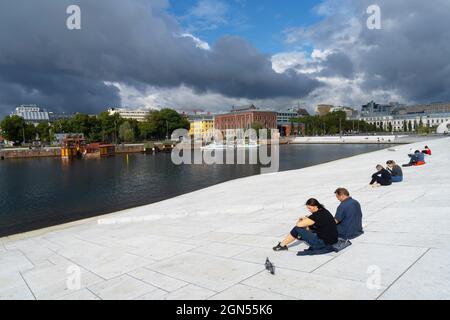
(395, 170)
(381, 178)
(319, 230)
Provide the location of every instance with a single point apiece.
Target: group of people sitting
(393, 173)
(321, 231)
(418, 158)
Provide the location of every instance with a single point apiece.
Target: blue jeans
(397, 179)
(309, 237)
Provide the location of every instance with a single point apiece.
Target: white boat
(252, 144)
(216, 146)
(221, 146)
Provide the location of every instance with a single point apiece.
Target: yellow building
(324, 109)
(200, 125)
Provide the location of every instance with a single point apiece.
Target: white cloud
(198, 42)
(186, 99)
(288, 60)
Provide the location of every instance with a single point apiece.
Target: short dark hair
(342, 192)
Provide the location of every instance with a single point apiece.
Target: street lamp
(23, 133)
(167, 130)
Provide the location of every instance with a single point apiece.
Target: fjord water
(37, 193)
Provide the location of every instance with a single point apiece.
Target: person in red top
(427, 151)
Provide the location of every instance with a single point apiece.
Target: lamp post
(23, 133)
(167, 130)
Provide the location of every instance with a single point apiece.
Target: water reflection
(42, 192)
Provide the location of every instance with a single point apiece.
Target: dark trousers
(309, 237)
(380, 180)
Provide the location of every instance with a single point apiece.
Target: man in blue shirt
(348, 216)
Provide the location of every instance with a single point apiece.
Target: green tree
(109, 126)
(63, 126)
(333, 123)
(44, 130)
(161, 124)
(126, 132)
(15, 129)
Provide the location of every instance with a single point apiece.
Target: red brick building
(244, 118)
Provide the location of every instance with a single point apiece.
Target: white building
(32, 114)
(126, 113)
(400, 122)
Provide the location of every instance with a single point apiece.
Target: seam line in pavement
(239, 282)
(96, 295)
(402, 274)
(26, 283)
(150, 284)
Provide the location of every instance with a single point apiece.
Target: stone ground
(212, 244)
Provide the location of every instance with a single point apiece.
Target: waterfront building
(100, 150)
(324, 109)
(73, 147)
(423, 108)
(133, 114)
(245, 118)
(286, 126)
(408, 121)
(60, 137)
(350, 112)
(55, 116)
(285, 117)
(373, 109)
(302, 112)
(32, 114)
(200, 124)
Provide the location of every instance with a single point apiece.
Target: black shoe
(280, 248)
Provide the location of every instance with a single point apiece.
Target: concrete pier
(212, 244)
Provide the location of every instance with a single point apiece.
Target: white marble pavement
(212, 244)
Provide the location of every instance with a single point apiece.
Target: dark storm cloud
(413, 52)
(337, 64)
(409, 56)
(132, 42)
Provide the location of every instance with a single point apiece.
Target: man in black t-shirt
(319, 230)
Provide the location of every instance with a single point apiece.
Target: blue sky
(261, 22)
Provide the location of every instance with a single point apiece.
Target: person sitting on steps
(416, 159)
(427, 151)
(319, 230)
(395, 170)
(348, 216)
(381, 178)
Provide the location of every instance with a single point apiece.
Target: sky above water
(213, 54)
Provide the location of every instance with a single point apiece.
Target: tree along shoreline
(103, 127)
